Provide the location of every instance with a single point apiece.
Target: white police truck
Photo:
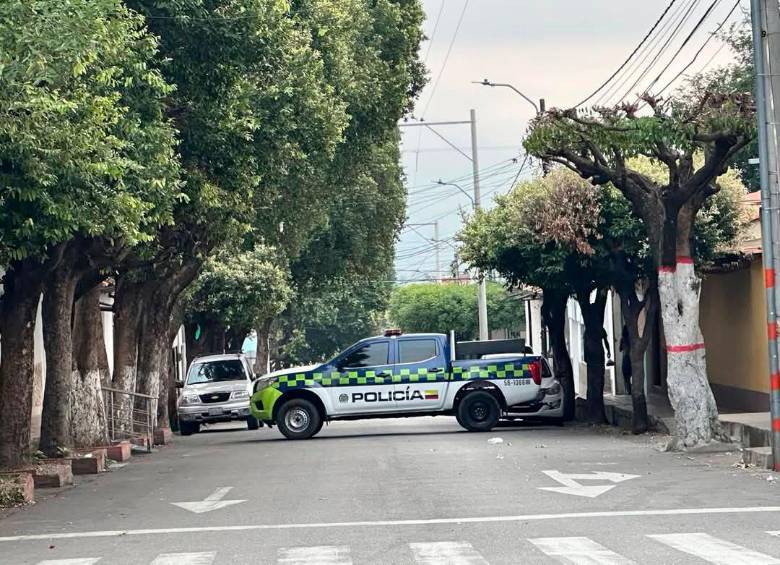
(395, 375)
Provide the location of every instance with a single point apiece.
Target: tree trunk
(639, 315)
(58, 297)
(23, 283)
(593, 314)
(262, 359)
(695, 411)
(127, 329)
(90, 370)
(554, 315)
(166, 408)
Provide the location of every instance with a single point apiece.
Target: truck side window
(369, 355)
(416, 350)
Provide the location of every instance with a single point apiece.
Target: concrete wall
(733, 320)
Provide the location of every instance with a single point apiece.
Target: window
(416, 350)
(369, 355)
(216, 371)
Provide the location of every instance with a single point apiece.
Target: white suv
(217, 389)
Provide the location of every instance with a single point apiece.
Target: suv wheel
(298, 419)
(478, 411)
(189, 428)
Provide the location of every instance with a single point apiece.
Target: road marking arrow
(211, 502)
(571, 486)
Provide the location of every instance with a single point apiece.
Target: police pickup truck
(410, 375)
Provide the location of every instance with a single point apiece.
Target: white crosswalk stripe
(206, 558)
(714, 550)
(320, 555)
(579, 551)
(79, 561)
(446, 553)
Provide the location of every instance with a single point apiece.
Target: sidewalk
(751, 430)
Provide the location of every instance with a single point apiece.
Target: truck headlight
(189, 399)
(240, 394)
(264, 382)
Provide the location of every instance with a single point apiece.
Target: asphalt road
(407, 491)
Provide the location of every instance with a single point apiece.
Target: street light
(538, 109)
(464, 191)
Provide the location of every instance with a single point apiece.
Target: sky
(559, 50)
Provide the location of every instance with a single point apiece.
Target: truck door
(364, 383)
(420, 374)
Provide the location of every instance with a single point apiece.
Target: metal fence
(130, 416)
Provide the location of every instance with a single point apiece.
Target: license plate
(215, 411)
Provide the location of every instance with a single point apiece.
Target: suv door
(365, 380)
(421, 374)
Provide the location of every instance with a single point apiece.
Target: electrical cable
(661, 51)
(642, 55)
(622, 66)
(696, 28)
(701, 49)
(433, 33)
(446, 57)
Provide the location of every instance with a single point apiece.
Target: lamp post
(538, 109)
(463, 190)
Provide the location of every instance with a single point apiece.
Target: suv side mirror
(179, 384)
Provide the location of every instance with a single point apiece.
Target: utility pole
(482, 292)
(765, 19)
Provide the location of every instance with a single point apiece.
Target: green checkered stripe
(402, 376)
(491, 372)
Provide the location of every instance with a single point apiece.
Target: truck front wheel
(298, 419)
(478, 411)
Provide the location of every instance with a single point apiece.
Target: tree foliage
(84, 147)
(440, 308)
(241, 290)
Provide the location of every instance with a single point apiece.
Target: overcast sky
(560, 50)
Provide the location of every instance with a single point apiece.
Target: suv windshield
(215, 371)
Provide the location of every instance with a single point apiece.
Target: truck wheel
(478, 411)
(252, 423)
(189, 428)
(298, 419)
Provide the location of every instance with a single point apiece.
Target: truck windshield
(216, 371)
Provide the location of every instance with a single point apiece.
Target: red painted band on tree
(769, 278)
(776, 425)
(775, 381)
(684, 348)
(772, 331)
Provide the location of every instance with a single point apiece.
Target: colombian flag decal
(431, 395)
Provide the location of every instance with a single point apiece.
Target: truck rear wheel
(298, 419)
(478, 411)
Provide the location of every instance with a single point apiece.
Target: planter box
(16, 488)
(120, 452)
(162, 436)
(52, 473)
(89, 461)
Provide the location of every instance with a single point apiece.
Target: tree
(597, 144)
(322, 320)
(552, 233)
(440, 308)
(235, 293)
(82, 133)
(253, 137)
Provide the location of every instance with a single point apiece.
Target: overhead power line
(622, 66)
(433, 33)
(701, 49)
(696, 28)
(674, 33)
(446, 57)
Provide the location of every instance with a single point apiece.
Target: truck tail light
(535, 369)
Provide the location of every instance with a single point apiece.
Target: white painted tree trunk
(696, 415)
(87, 412)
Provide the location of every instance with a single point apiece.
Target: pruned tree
(598, 144)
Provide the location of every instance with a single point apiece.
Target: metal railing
(130, 416)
